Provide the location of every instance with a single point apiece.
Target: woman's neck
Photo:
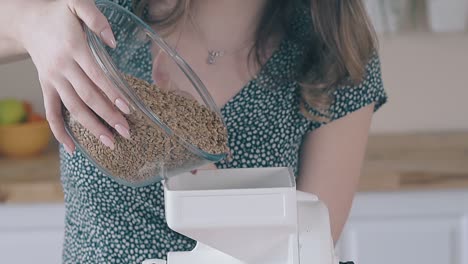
(225, 24)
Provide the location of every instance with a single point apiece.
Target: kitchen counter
(31, 180)
(416, 162)
(393, 163)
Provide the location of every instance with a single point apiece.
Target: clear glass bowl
(161, 146)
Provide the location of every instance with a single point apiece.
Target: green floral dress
(110, 223)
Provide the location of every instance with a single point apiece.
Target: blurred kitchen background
(412, 206)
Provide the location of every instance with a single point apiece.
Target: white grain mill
(247, 216)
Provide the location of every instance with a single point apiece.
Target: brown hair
(341, 44)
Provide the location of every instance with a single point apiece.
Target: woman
(298, 82)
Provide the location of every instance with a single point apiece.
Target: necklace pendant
(212, 55)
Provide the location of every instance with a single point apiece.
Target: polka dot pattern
(110, 223)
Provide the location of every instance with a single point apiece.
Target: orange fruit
(35, 117)
(28, 107)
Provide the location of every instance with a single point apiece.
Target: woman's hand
(53, 36)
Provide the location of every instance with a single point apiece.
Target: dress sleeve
(348, 99)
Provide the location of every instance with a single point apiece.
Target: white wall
(426, 77)
(20, 80)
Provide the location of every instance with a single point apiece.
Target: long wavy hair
(343, 41)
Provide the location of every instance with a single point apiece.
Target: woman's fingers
(87, 11)
(68, 72)
(89, 80)
(53, 107)
(80, 112)
(96, 100)
(94, 72)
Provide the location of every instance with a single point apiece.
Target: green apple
(12, 112)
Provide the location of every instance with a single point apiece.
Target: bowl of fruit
(23, 132)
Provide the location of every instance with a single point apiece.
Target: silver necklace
(213, 55)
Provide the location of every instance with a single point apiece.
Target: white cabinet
(31, 234)
(407, 228)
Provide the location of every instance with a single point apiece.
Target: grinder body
(242, 216)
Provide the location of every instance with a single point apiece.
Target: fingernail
(122, 106)
(107, 141)
(108, 37)
(68, 149)
(122, 131)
